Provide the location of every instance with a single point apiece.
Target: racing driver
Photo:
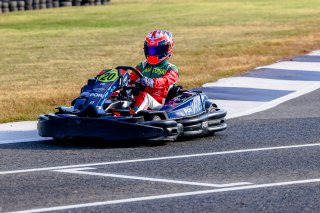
(158, 73)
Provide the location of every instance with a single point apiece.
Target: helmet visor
(156, 50)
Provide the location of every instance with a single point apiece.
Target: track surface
(268, 161)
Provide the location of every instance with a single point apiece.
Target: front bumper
(107, 128)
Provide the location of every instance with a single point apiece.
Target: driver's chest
(154, 71)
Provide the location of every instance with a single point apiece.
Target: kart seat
(174, 91)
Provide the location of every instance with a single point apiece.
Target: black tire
(13, 6)
(36, 4)
(55, 4)
(5, 7)
(66, 4)
(21, 4)
(76, 3)
(43, 4)
(29, 7)
(27, 4)
(49, 3)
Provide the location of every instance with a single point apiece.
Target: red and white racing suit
(164, 75)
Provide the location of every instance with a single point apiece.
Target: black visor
(155, 50)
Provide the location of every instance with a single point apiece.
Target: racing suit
(164, 75)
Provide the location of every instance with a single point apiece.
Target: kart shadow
(98, 143)
(77, 144)
(90, 143)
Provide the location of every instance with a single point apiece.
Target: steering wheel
(130, 68)
(139, 86)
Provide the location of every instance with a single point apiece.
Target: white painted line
(295, 65)
(233, 107)
(260, 83)
(315, 53)
(77, 171)
(162, 158)
(173, 195)
(276, 102)
(19, 126)
(25, 140)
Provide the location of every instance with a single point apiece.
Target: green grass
(47, 55)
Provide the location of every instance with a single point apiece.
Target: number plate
(109, 76)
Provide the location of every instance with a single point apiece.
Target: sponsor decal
(156, 71)
(99, 89)
(196, 104)
(159, 71)
(188, 110)
(205, 124)
(96, 95)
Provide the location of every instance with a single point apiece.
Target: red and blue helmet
(158, 46)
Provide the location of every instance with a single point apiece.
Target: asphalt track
(268, 161)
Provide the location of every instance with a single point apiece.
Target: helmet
(158, 46)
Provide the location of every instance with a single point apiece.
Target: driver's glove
(148, 82)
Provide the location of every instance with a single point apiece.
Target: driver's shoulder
(172, 67)
(142, 65)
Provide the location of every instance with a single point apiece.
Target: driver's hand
(145, 81)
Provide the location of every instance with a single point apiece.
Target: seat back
(173, 92)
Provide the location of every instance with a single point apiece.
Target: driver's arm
(171, 77)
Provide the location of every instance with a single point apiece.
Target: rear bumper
(206, 123)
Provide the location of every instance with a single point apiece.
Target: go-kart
(103, 110)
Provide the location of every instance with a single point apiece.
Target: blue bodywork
(97, 92)
(187, 104)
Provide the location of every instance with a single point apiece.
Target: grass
(46, 56)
